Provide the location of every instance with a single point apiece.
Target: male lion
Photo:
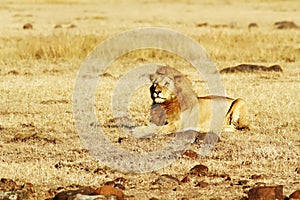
(176, 106)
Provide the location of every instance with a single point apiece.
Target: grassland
(38, 68)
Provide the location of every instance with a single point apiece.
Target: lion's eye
(167, 83)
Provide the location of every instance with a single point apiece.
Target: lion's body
(172, 95)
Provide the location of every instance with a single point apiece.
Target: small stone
(72, 26)
(71, 194)
(7, 184)
(266, 192)
(257, 176)
(242, 182)
(201, 184)
(199, 170)
(298, 170)
(27, 26)
(190, 154)
(252, 25)
(108, 190)
(295, 195)
(13, 72)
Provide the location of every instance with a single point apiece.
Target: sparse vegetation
(38, 67)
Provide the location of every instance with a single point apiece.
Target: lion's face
(162, 89)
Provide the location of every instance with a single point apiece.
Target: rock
(295, 195)
(27, 26)
(242, 182)
(190, 154)
(297, 170)
(7, 184)
(72, 26)
(93, 197)
(153, 198)
(252, 25)
(257, 176)
(71, 194)
(13, 72)
(266, 192)
(9, 189)
(202, 184)
(108, 190)
(199, 170)
(285, 25)
(250, 68)
(202, 24)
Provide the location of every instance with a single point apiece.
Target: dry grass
(38, 70)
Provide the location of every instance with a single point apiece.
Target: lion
(171, 95)
(175, 106)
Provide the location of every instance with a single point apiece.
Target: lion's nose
(156, 93)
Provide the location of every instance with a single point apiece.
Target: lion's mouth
(159, 100)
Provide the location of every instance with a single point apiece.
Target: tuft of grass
(53, 47)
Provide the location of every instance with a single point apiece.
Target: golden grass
(272, 47)
(37, 77)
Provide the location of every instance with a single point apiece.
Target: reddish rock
(108, 190)
(199, 170)
(295, 195)
(190, 154)
(266, 192)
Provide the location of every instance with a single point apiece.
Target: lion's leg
(237, 116)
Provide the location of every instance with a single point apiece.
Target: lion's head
(169, 85)
(171, 94)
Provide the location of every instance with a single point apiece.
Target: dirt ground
(43, 44)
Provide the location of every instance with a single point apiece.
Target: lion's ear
(151, 76)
